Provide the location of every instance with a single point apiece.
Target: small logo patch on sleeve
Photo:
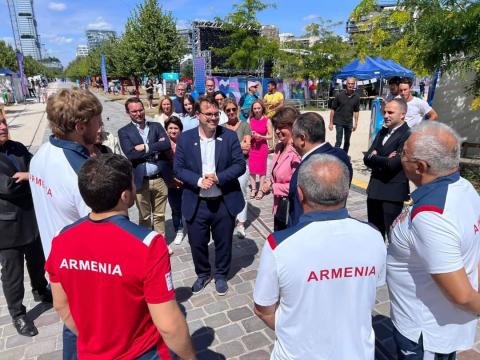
(168, 280)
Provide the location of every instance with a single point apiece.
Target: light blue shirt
(150, 168)
(189, 122)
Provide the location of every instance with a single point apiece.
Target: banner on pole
(199, 74)
(21, 73)
(103, 70)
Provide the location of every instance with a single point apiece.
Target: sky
(62, 23)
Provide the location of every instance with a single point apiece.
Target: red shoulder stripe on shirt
(271, 241)
(426, 208)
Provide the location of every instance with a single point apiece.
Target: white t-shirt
(324, 272)
(439, 234)
(54, 185)
(416, 111)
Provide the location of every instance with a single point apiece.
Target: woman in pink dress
(257, 162)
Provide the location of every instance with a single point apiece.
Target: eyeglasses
(210, 115)
(230, 110)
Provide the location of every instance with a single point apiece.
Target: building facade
(96, 37)
(82, 50)
(24, 27)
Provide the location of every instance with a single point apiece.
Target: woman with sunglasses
(189, 116)
(257, 162)
(220, 97)
(242, 128)
(284, 162)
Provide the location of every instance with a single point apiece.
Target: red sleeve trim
(426, 208)
(271, 241)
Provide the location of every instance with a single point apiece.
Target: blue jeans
(409, 350)
(151, 354)
(175, 201)
(69, 344)
(343, 132)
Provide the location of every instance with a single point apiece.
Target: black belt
(152, 177)
(214, 198)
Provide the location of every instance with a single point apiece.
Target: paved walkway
(222, 327)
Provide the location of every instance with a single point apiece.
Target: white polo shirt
(324, 273)
(416, 110)
(439, 234)
(54, 185)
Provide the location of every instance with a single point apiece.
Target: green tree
(447, 33)
(150, 44)
(7, 56)
(244, 49)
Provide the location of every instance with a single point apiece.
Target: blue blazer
(158, 146)
(295, 207)
(230, 165)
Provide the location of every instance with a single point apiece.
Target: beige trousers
(151, 202)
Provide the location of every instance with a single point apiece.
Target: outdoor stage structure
(209, 34)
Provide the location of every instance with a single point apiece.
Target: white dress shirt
(207, 150)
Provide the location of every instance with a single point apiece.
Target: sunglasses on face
(230, 110)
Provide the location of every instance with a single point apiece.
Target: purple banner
(21, 73)
(199, 74)
(103, 70)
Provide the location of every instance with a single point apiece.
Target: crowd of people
(318, 273)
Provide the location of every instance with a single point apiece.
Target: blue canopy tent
(4, 71)
(374, 68)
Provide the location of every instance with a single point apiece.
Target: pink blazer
(283, 167)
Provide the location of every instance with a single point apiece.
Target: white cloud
(100, 24)
(57, 6)
(183, 24)
(56, 39)
(311, 17)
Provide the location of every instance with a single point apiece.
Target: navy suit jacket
(158, 146)
(295, 207)
(229, 164)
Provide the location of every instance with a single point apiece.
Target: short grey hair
(181, 83)
(351, 78)
(438, 145)
(324, 180)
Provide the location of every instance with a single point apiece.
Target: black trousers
(211, 216)
(12, 261)
(382, 213)
(343, 132)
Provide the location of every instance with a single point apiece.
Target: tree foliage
(319, 60)
(150, 45)
(31, 67)
(246, 49)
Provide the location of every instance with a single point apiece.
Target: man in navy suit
(146, 144)
(309, 139)
(388, 187)
(209, 161)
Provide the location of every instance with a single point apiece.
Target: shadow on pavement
(243, 255)
(182, 294)
(38, 310)
(202, 339)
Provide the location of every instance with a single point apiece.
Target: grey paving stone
(249, 275)
(240, 313)
(216, 307)
(12, 354)
(256, 355)
(229, 332)
(54, 355)
(17, 340)
(216, 321)
(195, 325)
(43, 346)
(253, 324)
(239, 300)
(230, 349)
(195, 314)
(255, 340)
(270, 333)
(199, 300)
(245, 287)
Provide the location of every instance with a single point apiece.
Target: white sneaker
(179, 237)
(240, 231)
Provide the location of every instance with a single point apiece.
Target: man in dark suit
(388, 187)
(209, 161)
(20, 238)
(145, 144)
(309, 139)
